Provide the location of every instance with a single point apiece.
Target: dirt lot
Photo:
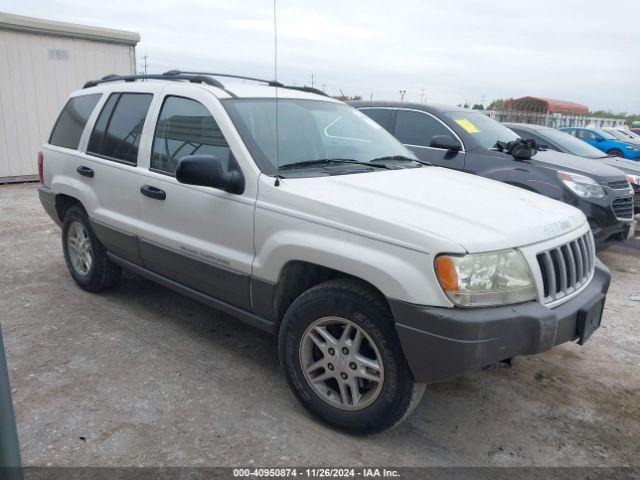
(143, 376)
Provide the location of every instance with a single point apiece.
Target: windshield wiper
(321, 161)
(401, 157)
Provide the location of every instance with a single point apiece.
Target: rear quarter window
(72, 120)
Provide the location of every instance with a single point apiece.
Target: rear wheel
(616, 153)
(85, 256)
(343, 360)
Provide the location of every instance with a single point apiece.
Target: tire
(96, 273)
(615, 153)
(377, 405)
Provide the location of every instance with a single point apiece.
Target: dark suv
(467, 140)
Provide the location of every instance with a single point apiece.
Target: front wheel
(616, 153)
(343, 360)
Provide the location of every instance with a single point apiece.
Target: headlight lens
(581, 185)
(634, 179)
(484, 279)
(632, 147)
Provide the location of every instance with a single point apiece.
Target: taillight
(41, 167)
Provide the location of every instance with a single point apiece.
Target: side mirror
(446, 142)
(207, 171)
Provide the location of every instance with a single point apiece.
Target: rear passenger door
(200, 237)
(110, 166)
(415, 129)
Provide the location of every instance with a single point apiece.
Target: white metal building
(41, 62)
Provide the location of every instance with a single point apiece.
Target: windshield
(486, 131)
(571, 144)
(621, 135)
(311, 130)
(606, 134)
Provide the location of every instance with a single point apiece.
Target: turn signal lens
(446, 272)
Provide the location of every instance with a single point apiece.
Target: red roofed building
(544, 105)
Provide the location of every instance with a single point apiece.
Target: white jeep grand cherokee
(300, 216)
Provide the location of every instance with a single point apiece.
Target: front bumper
(441, 343)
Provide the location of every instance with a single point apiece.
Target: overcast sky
(579, 50)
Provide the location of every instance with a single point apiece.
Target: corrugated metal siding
(35, 84)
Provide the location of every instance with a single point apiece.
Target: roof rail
(197, 77)
(132, 78)
(271, 83)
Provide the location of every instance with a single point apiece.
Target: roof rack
(132, 78)
(271, 83)
(197, 77)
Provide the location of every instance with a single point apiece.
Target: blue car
(605, 142)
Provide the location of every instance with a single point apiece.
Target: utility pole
(324, 86)
(313, 77)
(423, 98)
(145, 57)
(482, 103)
(402, 94)
(371, 97)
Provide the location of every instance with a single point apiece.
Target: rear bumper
(48, 201)
(441, 343)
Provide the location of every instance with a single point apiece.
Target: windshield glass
(606, 134)
(627, 137)
(486, 131)
(310, 130)
(571, 144)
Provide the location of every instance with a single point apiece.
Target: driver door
(415, 129)
(197, 236)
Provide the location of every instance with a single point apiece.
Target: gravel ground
(141, 376)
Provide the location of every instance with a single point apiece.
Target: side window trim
(455, 135)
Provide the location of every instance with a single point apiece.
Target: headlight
(634, 179)
(484, 279)
(581, 185)
(632, 148)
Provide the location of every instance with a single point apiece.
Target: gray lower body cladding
(441, 343)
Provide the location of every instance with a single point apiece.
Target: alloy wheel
(79, 248)
(341, 363)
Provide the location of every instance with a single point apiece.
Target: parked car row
(466, 140)
(553, 139)
(615, 145)
(300, 215)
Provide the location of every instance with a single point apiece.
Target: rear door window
(380, 115)
(72, 120)
(116, 135)
(417, 128)
(185, 127)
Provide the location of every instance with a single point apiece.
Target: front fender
(397, 272)
(524, 178)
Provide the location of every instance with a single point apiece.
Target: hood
(627, 166)
(429, 209)
(586, 166)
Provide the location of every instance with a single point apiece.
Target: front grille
(565, 269)
(619, 185)
(623, 207)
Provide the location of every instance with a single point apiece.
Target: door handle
(153, 192)
(85, 171)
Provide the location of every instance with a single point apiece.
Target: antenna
(275, 73)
